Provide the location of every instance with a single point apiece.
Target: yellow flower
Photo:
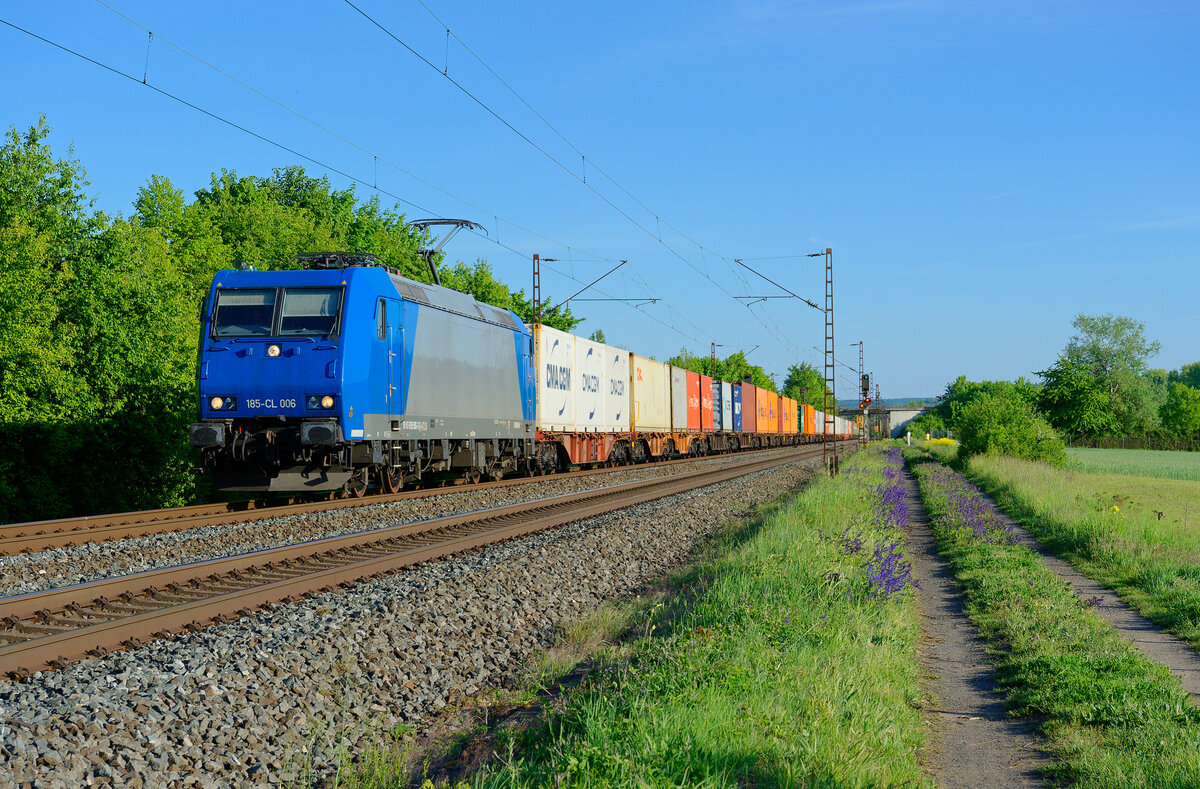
(1115, 508)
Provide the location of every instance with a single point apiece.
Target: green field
(1139, 462)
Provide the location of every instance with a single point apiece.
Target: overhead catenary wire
(562, 166)
(376, 158)
(294, 152)
(373, 182)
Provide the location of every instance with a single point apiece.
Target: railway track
(53, 628)
(66, 532)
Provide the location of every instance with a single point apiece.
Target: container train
(346, 375)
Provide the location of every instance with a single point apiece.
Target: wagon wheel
(497, 473)
(356, 486)
(392, 479)
(474, 476)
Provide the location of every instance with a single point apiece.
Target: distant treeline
(1100, 390)
(99, 316)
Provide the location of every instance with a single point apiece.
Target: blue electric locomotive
(346, 374)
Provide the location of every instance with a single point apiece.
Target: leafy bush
(995, 425)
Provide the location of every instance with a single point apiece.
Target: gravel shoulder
(973, 743)
(32, 572)
(288, 693)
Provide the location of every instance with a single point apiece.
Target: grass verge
(785, 656)
(1112, 716)
(1136, 535)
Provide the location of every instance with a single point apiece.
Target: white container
(679, 399)
(651, 395)
(616, 390)
(590, 383)
(726, 406)
(556, 384)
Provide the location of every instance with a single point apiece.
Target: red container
(693, 404)
(706, 404)
(749, 409)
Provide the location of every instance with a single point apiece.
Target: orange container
(768, 412)
(706, 404)
(693, 402)
(749, 409)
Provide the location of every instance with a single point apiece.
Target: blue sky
(982, 170)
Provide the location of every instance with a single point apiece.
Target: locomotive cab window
(309, 311)
(244, 312)
(277, 312)
(381, 320)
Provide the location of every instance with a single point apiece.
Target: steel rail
(35, 536)
(53, 628)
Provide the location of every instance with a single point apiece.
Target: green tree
(1188, 374)
(1006, 425)
(929, 422)
(733, 368)
(46, 220)
(1113, 351)
(805, 385)
(1181, 412)
(1075, 402)
(597, 336)
(961, 392)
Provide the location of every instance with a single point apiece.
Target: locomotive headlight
(272, 351)
(223, 403)
(318, 402)
(327, 401)
(217, 403)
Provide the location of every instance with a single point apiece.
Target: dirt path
(1159, 646)
(973, 744)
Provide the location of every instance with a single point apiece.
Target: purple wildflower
(967, 509)
(888, 572)
(851, 545)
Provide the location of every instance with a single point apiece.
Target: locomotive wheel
(474, 476)
(391, 479)
(357, 486)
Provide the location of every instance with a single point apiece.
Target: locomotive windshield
(309, 310)
(244, 312)
(276, 312)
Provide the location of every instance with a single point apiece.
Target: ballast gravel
(283, 695)
(34, 572)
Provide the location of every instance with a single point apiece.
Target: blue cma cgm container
(737, 408)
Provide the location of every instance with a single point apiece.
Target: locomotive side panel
(463, 382)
